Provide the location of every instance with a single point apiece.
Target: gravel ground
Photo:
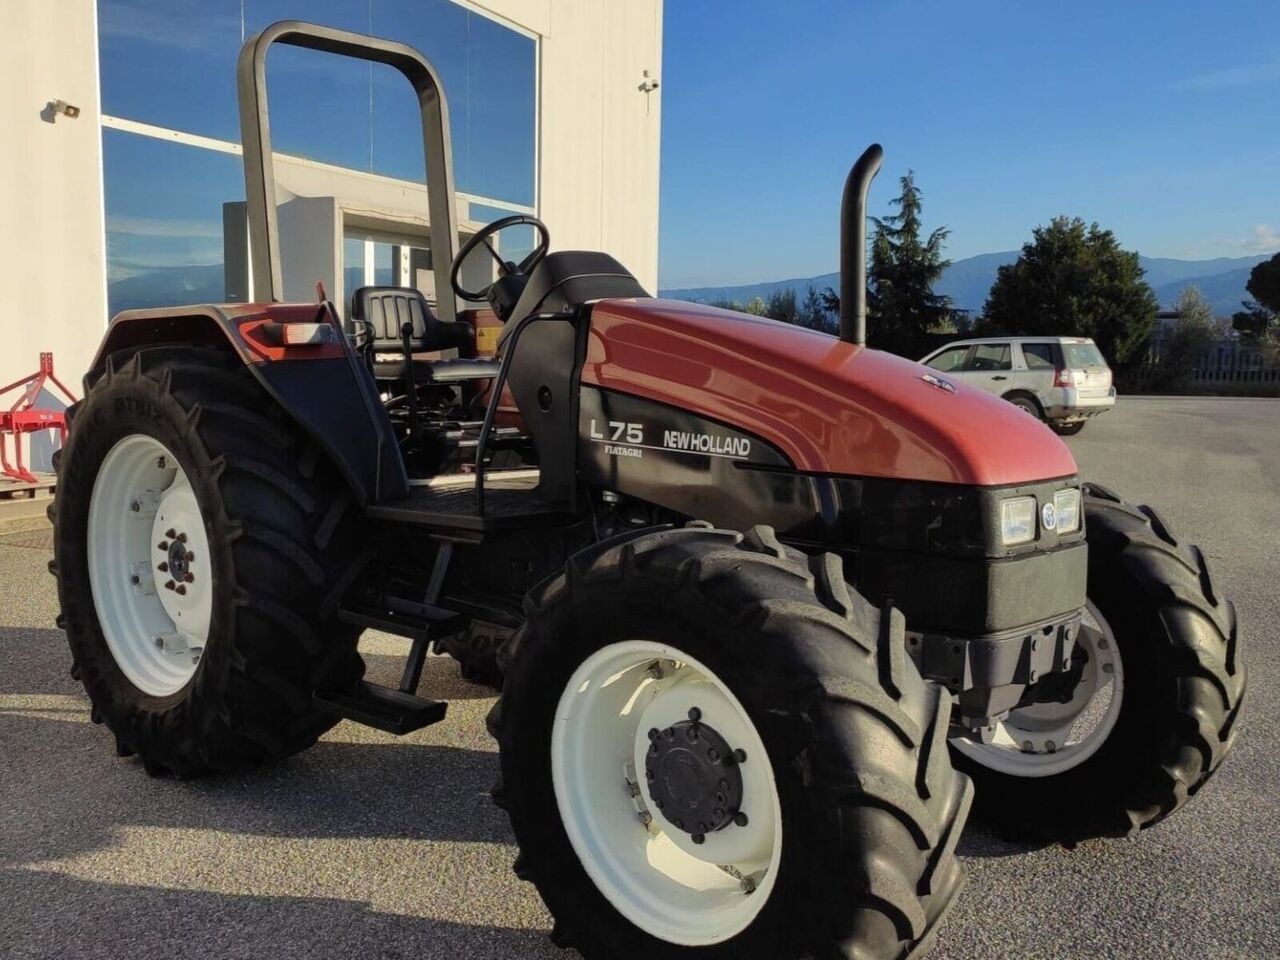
(373, 845)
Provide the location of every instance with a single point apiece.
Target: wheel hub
(693, 777)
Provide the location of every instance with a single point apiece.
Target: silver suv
(1062, 380)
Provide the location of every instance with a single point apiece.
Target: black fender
(326, 390)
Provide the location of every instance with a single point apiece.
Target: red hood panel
(828, 405)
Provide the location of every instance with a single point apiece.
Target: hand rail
(495, 397)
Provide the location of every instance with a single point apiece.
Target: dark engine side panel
(931, 548)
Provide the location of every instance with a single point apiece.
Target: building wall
(597, 157)
(52, 260)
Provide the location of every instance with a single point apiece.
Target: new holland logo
(1049, 516)
(945, 386)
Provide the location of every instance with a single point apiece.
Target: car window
(990, 356)
(949, 360)
(1039, 356)
(1081, 355)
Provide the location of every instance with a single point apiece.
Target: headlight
(1066, 504)
(1018, 520)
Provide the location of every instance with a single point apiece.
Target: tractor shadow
(980, 842)
(53, 915)
(63, 792)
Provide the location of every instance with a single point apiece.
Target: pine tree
(901, 305)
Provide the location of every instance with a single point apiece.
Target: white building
(138, 199)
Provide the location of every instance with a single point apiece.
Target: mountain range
(967, 282)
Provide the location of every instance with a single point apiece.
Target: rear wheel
(1026, 403)
(712, 747)
(1068, 429)
(1156, 706)
(199, 541)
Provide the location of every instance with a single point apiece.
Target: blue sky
(1160, 120)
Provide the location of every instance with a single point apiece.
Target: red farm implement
(26, 417)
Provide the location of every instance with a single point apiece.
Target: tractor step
(381, 707)
(417, 621)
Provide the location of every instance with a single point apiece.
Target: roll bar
(259, 173)
(853, 245)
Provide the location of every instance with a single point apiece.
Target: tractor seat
(382, 312)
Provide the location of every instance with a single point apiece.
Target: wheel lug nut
(180, 589)
(169, 585)
(162, 566)
(698, 838)
(740, 818)
(182, 538)
(739, 756)
(190, 578)
(162, 545)
(695, 714)
(189, 556)
(134, 579)
(171, 533)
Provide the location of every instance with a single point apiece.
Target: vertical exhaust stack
(853, 245)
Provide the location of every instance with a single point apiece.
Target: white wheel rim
(1045, 739)
(654, 874)
(149, 565)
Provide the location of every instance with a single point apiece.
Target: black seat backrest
(387, 309)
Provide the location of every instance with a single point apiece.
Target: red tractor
(770, 610)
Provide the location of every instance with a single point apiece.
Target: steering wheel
(505, 267)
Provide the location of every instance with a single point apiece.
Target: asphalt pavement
(369, 845)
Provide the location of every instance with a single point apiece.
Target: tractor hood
(829, 406)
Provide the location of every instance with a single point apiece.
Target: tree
(1193, 334)
(901, 305)
(1264, 284)
(1074, 280)
(781, 305)
(1260, 318)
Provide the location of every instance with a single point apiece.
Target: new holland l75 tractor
(770, 610)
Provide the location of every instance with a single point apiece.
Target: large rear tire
(1171, 644)
(662, 651)
(200, 647)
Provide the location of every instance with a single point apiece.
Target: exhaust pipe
(853, 245)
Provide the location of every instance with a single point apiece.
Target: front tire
(851, 807)
(200, 647)
(1172, 644)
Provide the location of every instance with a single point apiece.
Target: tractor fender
(324, 388)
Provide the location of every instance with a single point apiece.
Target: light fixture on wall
(55, 107)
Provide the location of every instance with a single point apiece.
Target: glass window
(1039, 356)
(990, 356)
(172, 63)
(949, 360)
(164, 209)
(1082, 355)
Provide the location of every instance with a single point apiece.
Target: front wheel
(711, 747)
(1152, 711)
